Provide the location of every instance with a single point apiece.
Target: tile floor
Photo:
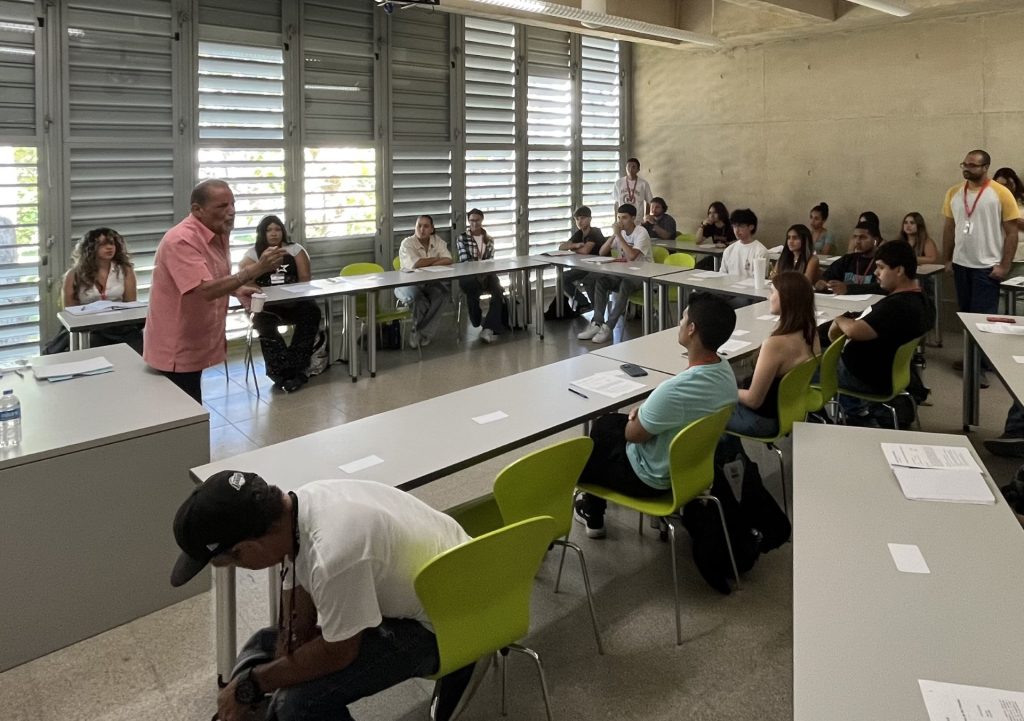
(735, 663)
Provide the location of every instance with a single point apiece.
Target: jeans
(609, 466)
(747, 422)
(588, 280)
(396, 650)
(854, 406)
(473, 287)
(976, 292)
(622, 288)
(191, 382)
(284, 361)
(427, 300)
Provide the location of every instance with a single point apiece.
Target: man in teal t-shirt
(631, 452)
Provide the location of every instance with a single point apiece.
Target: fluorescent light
(594, 19)
(884, 6)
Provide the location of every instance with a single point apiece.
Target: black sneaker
(595, 526)
(1006, 446)
(453, 691)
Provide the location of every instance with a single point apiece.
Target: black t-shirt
(666, 222)
(721, 236)
(594, 234)
(288, 266)
(897, 319)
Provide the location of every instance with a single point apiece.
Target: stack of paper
(1019, 280)
(611, 384)
(598, 259)
(705, 274)
(937, 473)
(1001, 328)
(970, 703)
(557, 253)
(853, 298)
(436, 268)
(104, 306)
(54, 372)
(732, 346)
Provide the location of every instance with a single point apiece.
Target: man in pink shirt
(192, 280)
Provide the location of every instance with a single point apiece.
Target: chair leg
(586, 585)
(675, 579)
(540, 673)
(640, 525)
(504, 681)
(725, 532)
(892, 411)
(561, 564)
(782, 478)
(913, 402)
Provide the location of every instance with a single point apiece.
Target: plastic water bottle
(10, 420)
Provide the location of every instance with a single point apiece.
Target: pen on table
(573, 390)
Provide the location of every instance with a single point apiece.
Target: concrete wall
(870, 120)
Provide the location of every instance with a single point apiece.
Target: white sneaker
(424, 341)
(487, 335)
(414, 340)
(592, 330)
(603, 335)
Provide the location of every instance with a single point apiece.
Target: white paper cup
(760, 271)
(258, 299)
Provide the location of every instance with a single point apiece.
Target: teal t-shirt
(675, 404)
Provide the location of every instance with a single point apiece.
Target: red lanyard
(970, 211)
(630, 192)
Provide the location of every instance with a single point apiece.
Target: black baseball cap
(223, 511)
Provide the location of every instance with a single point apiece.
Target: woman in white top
(1007, 177)
(101, 269)
(286, 363)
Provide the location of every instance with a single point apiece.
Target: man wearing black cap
(350, 623)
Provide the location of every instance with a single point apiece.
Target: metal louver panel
(252, 15)
(422, 182)
(19, 252)
(550, 191)
(420, 76)
(489, 53)
(549, 86)
(491, 187)
(340, 196)
(600, 96)
(18, 68)
(241, 92)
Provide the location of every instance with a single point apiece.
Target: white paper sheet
(436, 268)
(296, 288)
(1001, 328)
(599, 259)
(958, 702)
(490, 417)
(908, 558)
(950, 486)
(911, 455)
(746, 283)
(731, 347)
(1018, 358)
(326, 282)
(1018, 281)
(89, 366)
(768, 317)
(852, 298)
(610, 385)
(361, 464)
(705, 274)
(104, 306)
(558, 253)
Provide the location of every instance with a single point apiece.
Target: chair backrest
(477, 595)
(828, 376)
(396, 264)
(660, 254)
(686, 237)
(901, 365)
(683, 260)
(793, 389)
(361, 269)
(692, 455)
(542, 483)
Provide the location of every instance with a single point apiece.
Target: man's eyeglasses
(972, 166)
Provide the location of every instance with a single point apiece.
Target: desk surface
(719, 283)
(95, 321)
(424, 441)
(641, 269)
(863, 632)
(132, 400)
(689, 246)
(1000, 349)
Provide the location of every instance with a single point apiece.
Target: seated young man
(630, 242)
(476, 244)
(874, 336)
(658, 223)
(578, 285)
(351, 623)
(855, 271)
(738, 258)
(631, 452)
(420, 250)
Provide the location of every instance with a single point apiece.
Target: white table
(690, 280)
(1011, 289)
(80, 326)
(693, 248)
(863, 632)
(424, 441)
(1000, 349)
(87, 500)
(642, 270)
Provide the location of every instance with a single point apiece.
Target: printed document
(1001, 328)
(958, 702)
(611, 384)
(105, 306)
(937, 473)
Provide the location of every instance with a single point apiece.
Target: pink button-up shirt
(184, 331)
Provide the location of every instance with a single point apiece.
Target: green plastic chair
(823, 393)
(692, 462)
(900, 381)
(686, 237)
(477, 597)
(684, 261)
(660, 254)
(792, 407)
(402, 315)
(539, 483)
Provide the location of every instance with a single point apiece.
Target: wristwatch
(247, 690)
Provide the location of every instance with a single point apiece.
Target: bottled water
(10, 420)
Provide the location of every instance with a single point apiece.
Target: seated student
(874, 336)
(824, 239)
(868, 216)
(420, 250)
(658, 223)
(102, 270)
(915, 232)
(855, 271)
(738, 258)
(794, 340)
(477, 244)
(578, 285)
(716, 229)
(286, 364)
(350, 624)
(798, 254)
(631, 453)
(631, 242)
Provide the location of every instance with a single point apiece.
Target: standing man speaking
(192, 280)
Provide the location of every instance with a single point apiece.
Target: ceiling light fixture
(594, 19)
(884, 6)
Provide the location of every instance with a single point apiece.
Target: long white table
(693, 248)
(1000, 349)
(87, 500)
(712, 282)
(80, 326)
(421, 442)
(865, 633)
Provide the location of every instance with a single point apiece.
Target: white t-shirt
(293, 250)
(1019, 257)
(636, 193)
(738, 258)
(983, 246)
(361, 545)
(638, 239)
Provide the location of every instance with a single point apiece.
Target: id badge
(968, 226)
(277, 278)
